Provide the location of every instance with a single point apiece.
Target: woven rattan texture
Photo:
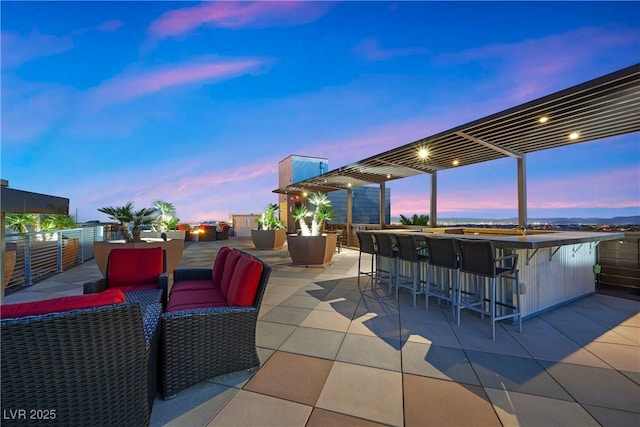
(89, 366)
(200, 344)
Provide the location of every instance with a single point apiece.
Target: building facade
(366, 200)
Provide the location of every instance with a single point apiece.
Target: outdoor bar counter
(556, 267)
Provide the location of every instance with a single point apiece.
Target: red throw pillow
(218, 266)
(134, 266)
(229, 266)
(56, 305)
(245, 281)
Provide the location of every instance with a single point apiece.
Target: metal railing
(35, 256)
(619, 262)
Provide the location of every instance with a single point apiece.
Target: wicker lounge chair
(204, 336)
(82, 367)
(134, 269)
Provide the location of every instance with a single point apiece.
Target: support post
(383, 203)
(522, 191)
(349, 215)
(433, 205)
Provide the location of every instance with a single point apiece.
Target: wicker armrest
(203, 343)
(191, 274)
(95, 286)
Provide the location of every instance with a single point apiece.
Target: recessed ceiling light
(574, 135)
(423, 153)
(305, 194)
(456, 162)
(388, 176)
(349, 185)
(543, 119)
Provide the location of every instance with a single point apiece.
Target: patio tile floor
(335, 353)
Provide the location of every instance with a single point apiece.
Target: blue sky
(196, 103)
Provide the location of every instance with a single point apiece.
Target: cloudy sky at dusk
(196, 103)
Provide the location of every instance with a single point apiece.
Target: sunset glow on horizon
(197, 103)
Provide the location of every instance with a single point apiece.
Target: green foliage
(323, 212)
(57, 222)
(268, 221)
(122, 214)
(415, 220)
(166, 215)
(21, 223)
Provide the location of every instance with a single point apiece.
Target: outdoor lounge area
(333, 351)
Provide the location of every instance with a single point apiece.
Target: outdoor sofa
(209, 326)
(79, 361)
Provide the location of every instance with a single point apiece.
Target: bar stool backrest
(477, 257)
(384, 242)
(442, 252)
(367, 244)
(407, 247)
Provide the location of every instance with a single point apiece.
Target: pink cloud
(17, 50)
(371, 50)
(615, 189)
(133, 85)
(236, 14)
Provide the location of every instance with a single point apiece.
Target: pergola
(600, 108)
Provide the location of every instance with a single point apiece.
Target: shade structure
(600, 108)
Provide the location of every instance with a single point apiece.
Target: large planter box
(269, 239)
(312, 251)
(173, 248)
(171, 234)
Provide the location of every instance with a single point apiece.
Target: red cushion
(218, 266)
(142, 287)
(56, 305)
(178, 307)
(191, 285)
(134, 266)
(229, 267)
(196, 299)
(245, 281)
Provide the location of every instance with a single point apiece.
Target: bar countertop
(534, 239)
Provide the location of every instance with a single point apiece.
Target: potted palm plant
(312, 247)
(131, 221)
(270, 233)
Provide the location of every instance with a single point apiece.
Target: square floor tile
(291, 377)
(519, 409)
(287, 315)
(435, 361)
(596, 386)
(380, 353)
(195, 406)
(613, 417)
(369, 393)
(272, 335)
(434, 402)
(253, 409)
(514, 373)
(621, 357)
(314, 342)
(323, 418)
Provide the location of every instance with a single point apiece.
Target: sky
(196, 103)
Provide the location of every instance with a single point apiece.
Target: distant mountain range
(618, 220)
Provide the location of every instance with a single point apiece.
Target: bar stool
(386, 249)
(443, 254)
(478, 257)
(408, 250)
(367, 246)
